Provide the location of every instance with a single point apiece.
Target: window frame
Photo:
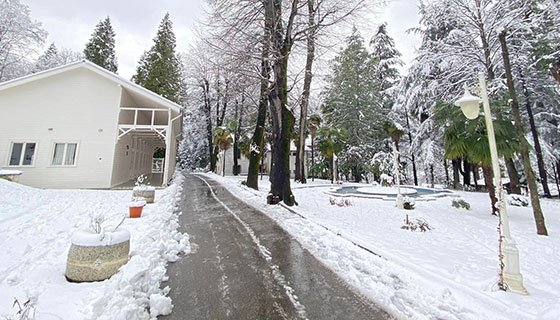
(66, 143)
(20, 163)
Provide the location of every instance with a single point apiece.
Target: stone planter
(146, 192)
(93, 257)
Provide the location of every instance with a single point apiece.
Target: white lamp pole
(510, 275)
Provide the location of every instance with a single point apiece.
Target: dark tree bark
(257, 143)
(446, 172)
(432, 178)
(466, 173)
(414, 172)
(311, 34)
(524, 146)
(283, 119)
(514, 185)
(535, 134)
(557, 177)
(455, 164)
(487, 173)
(474, 170)
(239, 111)
(208, 114)
(538, 149)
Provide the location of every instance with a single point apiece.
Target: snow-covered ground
(35, 230)
(449, 272)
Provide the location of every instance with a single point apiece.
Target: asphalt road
(244, 266)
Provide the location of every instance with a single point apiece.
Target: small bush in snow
(460, 204)
(386, 180)
(518, 200)
(408, 203)
(341, 203)
(26, 311)
(416, 224)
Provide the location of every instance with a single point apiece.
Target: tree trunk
(257, 142)
(432, 175)
(538, 150)
(535, 134)
(236, 151)
(282, 118)
(414, 172)
(209, 133)
(514, 185)
(487, 173)
(455, 164)
(446, 172)
(306, 89)
(557, 177)
(524, 146)
(466, 173)
(474, 170)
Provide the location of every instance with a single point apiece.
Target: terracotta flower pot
(135, 209)
(135, 212)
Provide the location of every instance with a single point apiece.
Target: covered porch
(145, 134)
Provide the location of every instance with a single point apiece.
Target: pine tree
(388, 57)
(354, 102)
(47, 60)
(160, 69)
(100, 48)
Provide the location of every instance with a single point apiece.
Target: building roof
(133, 87)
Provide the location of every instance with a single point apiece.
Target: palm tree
(468, 138)
(331, 141)
(223, 140)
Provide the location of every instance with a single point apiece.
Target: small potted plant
(97, 252)
(143, 189)
(135, 207)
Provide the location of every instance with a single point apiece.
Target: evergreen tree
(47, 60)
(160, 69)
(388, 57)
(354, 102)
(100, 48)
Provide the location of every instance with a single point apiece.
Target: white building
(81, 126)
(243, 162)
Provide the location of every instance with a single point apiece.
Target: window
(64, 154)
(22, 153)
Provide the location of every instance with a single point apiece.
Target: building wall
(75, 106)
(244, 162)
(133, 157)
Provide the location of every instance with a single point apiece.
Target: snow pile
(36, 227)
(448, 272)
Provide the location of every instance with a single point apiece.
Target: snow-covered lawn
(35, 230)
(449, 272)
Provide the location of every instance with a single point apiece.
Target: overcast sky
(71, 22)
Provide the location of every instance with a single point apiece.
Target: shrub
(460, 204)
(416, 224)
(408, 203)
(518, 200)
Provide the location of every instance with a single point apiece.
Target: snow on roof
(133, 87)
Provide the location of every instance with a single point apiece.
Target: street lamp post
(510, 275)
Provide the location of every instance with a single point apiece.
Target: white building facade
(81, 126)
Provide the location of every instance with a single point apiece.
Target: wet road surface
(244, 266)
